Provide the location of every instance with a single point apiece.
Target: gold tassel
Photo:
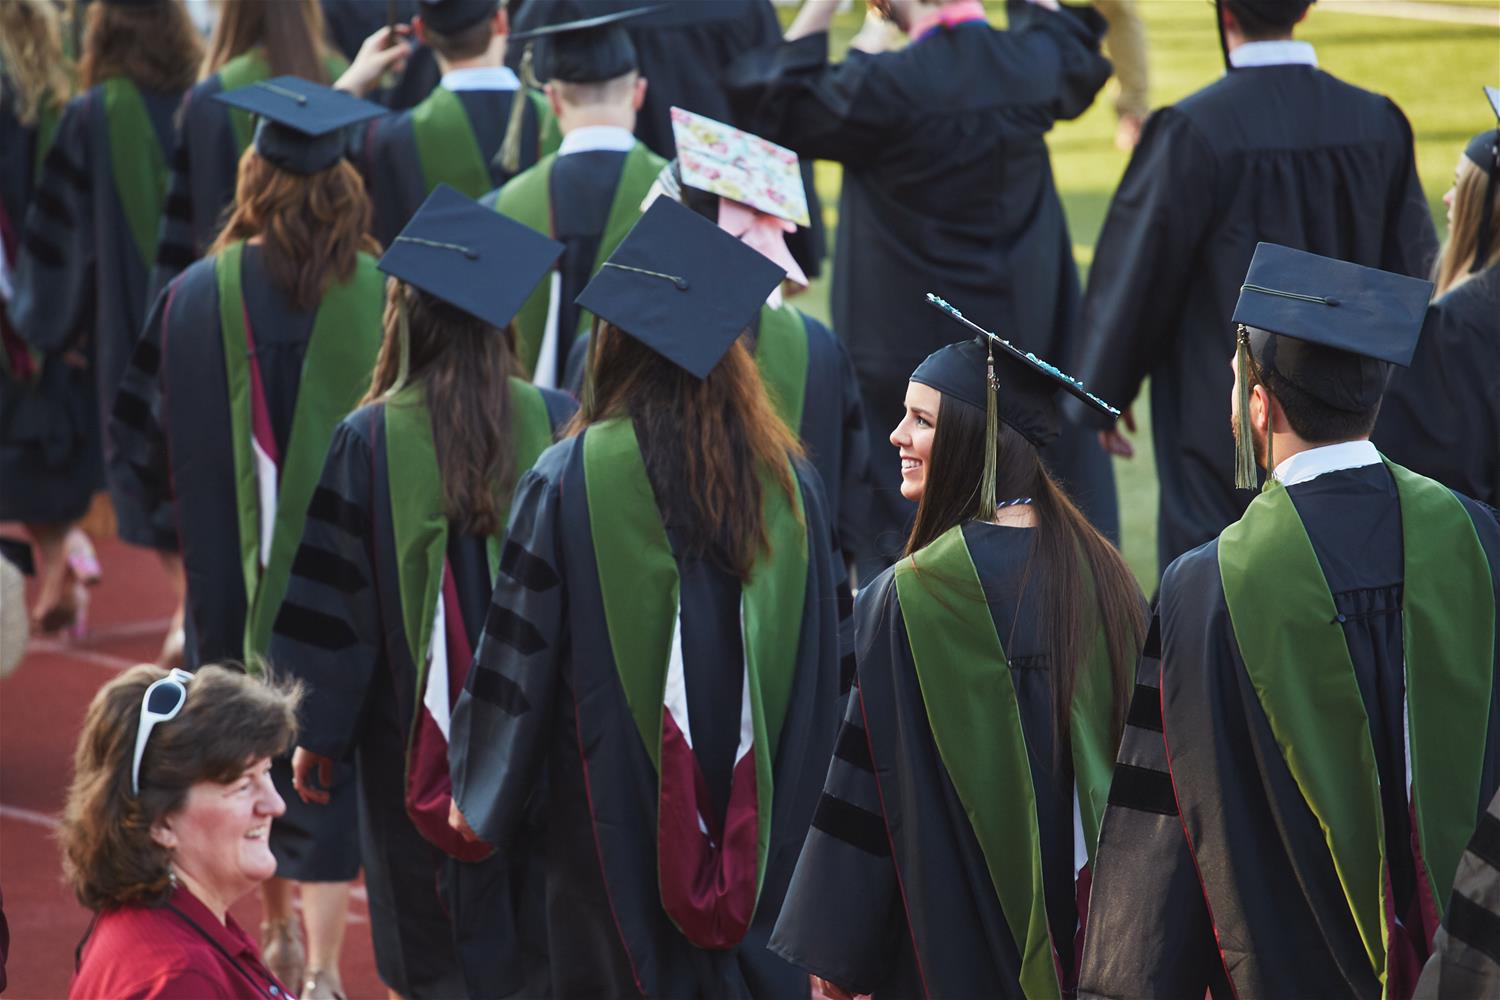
(991, 446)
(1245, 477)
(510, 149)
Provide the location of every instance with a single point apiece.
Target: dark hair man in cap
(588, 194)
(1275, 150)
(454, 136)
(1314, 732)
(947, 183)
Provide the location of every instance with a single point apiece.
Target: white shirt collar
(1314, 462)
(481, 78)
(1282, 52)
(587, 138)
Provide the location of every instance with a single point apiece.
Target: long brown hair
(33, 65)
(1469, 189)
(463, 366)
(705, 442)
(155, 46)
(289, 31)
(313, 226)
(1067, 551)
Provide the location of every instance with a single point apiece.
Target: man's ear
(1261, 408)
(552, 100)
(639, 97)
(502, 21)
(419, 27)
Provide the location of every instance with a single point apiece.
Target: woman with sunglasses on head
(1441, 416)
(950, 853)
(167, 825)
(388, 590)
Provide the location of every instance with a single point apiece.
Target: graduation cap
(1020, 390)
(682, 286)
(1484, 152)
(301, 127)
(1328, 327)
(588, 45)
(470, 256)
(448, 17)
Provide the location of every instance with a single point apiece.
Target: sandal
(322, 984)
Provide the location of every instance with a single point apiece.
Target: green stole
(250, 67)
(781, 353)
(346, 337)
(527, 198)
(976, 725)
(138, 163)
(640, 587)
(419, 522)
(447, 149)
(1286, 625)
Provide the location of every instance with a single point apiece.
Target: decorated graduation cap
(1484, 152)
(447, 17)
(301, 127)
(1021, 390)
(1328, 327)
(682, 286)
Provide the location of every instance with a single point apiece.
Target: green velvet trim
(138, 163)
(781, 354)
(447, 148)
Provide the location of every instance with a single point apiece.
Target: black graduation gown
(386, 154)
(545, 696)
(892, 895)
(1276, 917)
(340, 631)
(1441, 416)
(50, 461)
(171, 427)
(1465, 958)
(1281, 154)
(80, 281)
(947, 188)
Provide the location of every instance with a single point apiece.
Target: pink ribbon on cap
(762, 231)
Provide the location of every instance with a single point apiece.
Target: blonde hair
(32, 61)
(1469, 190)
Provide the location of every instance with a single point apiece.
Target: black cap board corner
(682, 286)
(449, 16)
(301, 123)
(470, 256)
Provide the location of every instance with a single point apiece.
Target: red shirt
(152, 953)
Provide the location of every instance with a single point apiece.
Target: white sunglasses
(161, 703)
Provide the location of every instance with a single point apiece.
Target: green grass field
(1433, 70)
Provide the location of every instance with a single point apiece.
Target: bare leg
(171, 654)
(281, 934)
(56, 603)
(325, 912)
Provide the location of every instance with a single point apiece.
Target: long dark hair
(290, 32)
(705, 443)
(154, 46)
(463, 366)
(1067, 550)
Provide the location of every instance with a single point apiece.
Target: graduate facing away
(950, 852)
(1313, 736)
(660, 669)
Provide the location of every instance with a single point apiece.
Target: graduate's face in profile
(1452, 192)
(913, 437)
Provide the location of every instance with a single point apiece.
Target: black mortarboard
(682, 286)
(449, 16)
(587, 45)
(1026, 386)
(302, 123)
(470, 256)
(1484, 152)
(1328, 327)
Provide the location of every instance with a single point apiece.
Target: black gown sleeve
(1411, 243)
(498, 738)
(54, 277)
(1465, 958)
(1148, 932)
(137, 433)
(1146, 255)
(854, 514)
(1068, 40)
(175, 248)
(328, 631)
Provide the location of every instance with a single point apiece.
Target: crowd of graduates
(632, 631)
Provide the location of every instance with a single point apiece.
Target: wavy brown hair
(229, 721)
(154, 46)
(33, 65)
(1470, 186)
(1068, 551)
(705, 442)
(289, 31)
(463, 366)
(313, 226)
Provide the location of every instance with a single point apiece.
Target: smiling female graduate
(663, 642)
(950, 852)
(388, 590)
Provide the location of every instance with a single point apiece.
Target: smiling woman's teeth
(256, 833)
(910, 463)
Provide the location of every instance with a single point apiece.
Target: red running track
(41, 710)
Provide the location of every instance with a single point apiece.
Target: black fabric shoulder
(560, 407)
(1192, 572)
